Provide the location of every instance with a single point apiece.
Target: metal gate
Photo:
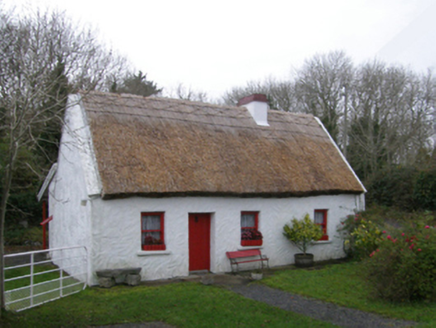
(34, 278)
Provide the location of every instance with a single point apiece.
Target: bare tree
(321, 86)
(391, 110)
(187, 93)
(43, 56)
(280, 93)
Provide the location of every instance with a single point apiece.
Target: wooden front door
(199, 241)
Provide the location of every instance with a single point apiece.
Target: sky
(212, 46)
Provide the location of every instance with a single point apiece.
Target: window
(250, 234)
(321, 220)
(152, 231)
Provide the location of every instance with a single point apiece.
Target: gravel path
(327, 312)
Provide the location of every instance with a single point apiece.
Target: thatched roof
(167, 147)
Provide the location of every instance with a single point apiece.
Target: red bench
(246, 256)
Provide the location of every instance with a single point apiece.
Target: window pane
(151, 222)
(247, 220)
(319, 217)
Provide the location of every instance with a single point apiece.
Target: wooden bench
(246, 256)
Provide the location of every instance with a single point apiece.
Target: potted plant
(153, 244)
(303, 233)
(251, 237)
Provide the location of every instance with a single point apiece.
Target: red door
(199, 242)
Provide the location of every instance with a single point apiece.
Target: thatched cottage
(171, 185)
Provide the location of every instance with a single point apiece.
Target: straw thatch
(167, 147)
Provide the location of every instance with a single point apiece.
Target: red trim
(251, 242)
(323, 224)
(161, 246)
(256, 227)
(256, 220)
(154, 247)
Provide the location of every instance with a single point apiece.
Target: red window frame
(154, 247)
(256, 227)
(323, 225)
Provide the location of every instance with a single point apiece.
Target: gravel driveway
(328, 312)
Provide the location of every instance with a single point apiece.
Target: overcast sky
(215, 45)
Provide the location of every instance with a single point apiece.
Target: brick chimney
(257, 105)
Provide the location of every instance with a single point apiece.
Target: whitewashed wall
(116, 230)
(72, 186)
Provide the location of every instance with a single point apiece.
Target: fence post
(31, 277)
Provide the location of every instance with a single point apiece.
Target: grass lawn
(179, 304)
(343, 284)
(196, 305)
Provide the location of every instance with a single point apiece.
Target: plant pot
(256, 276)
(303, 260)
(153, 247)
(251, 242)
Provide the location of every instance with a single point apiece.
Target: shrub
(361, 236)
(392, 187)
(424, 191)
(302, 233)
(406, 188)
(403, 267)
(18, 235)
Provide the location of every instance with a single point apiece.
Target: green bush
(393, 187)
(302, 233)
(18, 235)
(361, 236)
(424, 191)
(403, 267)
(406, 188)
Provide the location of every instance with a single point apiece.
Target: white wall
(70, 189)
(116, 230)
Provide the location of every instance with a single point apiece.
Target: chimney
(257, 105)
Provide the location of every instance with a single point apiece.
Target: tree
(321, 87)
(391, 117)
(280, 93)
(43, 56)
(136, 84)
(187, 93)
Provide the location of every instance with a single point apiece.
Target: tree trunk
(4, 201)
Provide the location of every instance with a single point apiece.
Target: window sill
(321, 242)
(152, 253)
